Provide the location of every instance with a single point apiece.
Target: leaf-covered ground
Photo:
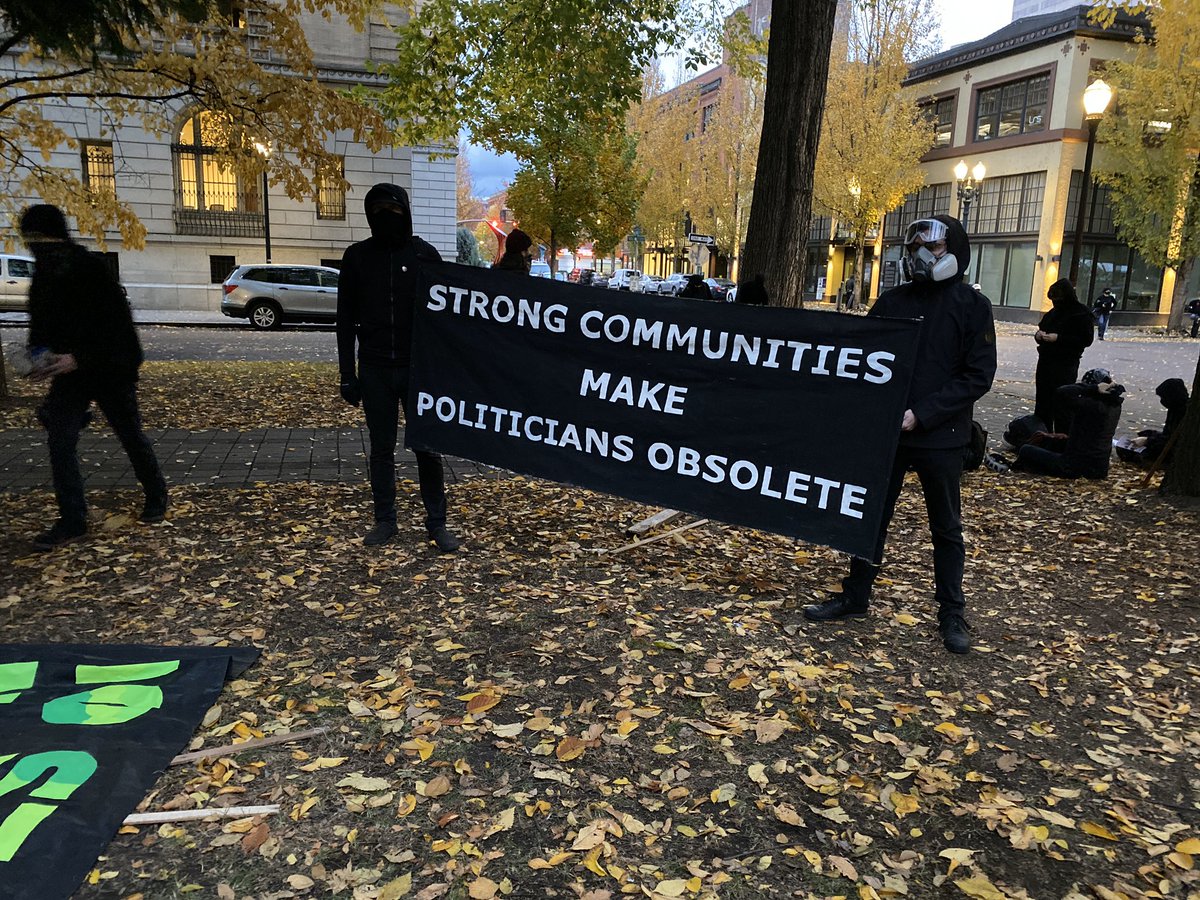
(533, 718)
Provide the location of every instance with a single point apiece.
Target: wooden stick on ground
(192, 815)
(656, 538)
(247, 745)
(662, 517)
(1162, 457)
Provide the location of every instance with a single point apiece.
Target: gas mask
(919, 263)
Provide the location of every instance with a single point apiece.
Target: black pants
(64, 413)
(1043, 462)
(1049, 377)
(384, 394)
(940, 472)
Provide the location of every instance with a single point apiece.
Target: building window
(1117, 266)
(819, 228)
(1004, 271)
(331, 190)
(1098, 218)
(931, 200)
(99, 172)
(210, 197)
(1010, 205)
(1019, 107)
(706, 115)
(220, 268)
(940, 115)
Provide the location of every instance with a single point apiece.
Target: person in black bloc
(955, 365)
(1151, 444)
(1102, 308)
(695, 289)
(1193, 310)
(79, 320)
(753, 292)
(1094, 409)
(1064, 332)
(376, 299)
(518, 253)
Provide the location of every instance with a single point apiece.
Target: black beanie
(517, 241)
(46, 220)
(1062, 290)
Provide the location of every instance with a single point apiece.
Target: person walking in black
(954, 367)
(695, 289)
(518, 253)
(81, 326)
(1064, 332)
(1102, 308)
(1193, 310)
(376, 299)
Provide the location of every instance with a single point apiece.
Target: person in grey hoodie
(376, 302)
(954, 366)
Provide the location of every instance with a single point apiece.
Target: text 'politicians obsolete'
(852, 363)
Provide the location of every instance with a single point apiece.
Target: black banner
(84, 733)
(784, 420)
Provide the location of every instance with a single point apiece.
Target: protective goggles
(925, 231)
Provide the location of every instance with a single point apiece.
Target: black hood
(395, 194)
(957, 243)
(1173, 393)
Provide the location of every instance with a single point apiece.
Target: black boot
(955, 632)
(155, 509)
(445, 539)
(839, 606)
(62, 532)
(380, 534)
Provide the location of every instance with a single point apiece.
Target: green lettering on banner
(15, 678)
(71, 768)
(130, 672)
(110, 704)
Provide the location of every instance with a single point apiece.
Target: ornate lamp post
(1095, 101)
(968, 188)
(264, 150)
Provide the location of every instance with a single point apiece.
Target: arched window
(210, 197)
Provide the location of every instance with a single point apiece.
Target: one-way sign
(706, 239)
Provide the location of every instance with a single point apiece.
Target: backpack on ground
(976, 447)
(1022, 428)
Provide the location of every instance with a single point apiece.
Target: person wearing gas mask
(376, 301)
(955, 363)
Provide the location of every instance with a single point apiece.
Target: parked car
(269, 295)
(539, 268)
(673, 284)
(650, 284)
(719, 287)
(560, 276)
(599, 281)
(731, 295)
(16, 272)
(626, 280)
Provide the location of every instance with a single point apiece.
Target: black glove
(350, 390)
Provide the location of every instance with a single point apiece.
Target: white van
(16, 272)
(626, 280)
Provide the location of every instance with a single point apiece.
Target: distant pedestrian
(1063, 334)
(81, 331)
(1193, 310)
(1102, 308)
(954, 364)
(850, 294)
(518, 253)
(377, 295)
(696, 289)
(753, 292)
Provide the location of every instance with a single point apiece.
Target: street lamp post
(264, 150)
(1095, 101)
(969, 186)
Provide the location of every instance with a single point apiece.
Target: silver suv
(270, 294)
(16, 273)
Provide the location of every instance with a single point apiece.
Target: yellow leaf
(844, 866)
(627, 726)
(360, 782)
(299, 882)
(324, 762)
(589, 836)
(482, 702)
(420, 746)
(396, 888)
(503, 822)
(904, 619)
(1098, 831)
(561, 857)
(788, 815)
(445, 645)
(407, 805)
(437, 787)
(483, 889)
(950, 730)
(672, 888)
(723, 794)
(694, 884)
(904, 804)
(1183, 860)
(957, 856)
(980, 888)
(1191, 846)
(570, 748)
(758, 774)
(664, 749)
(591, 861)
(768, 730)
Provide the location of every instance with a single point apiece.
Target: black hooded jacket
(1074, 325)
(1095, 415)
(378, 286)
(956, 353)
(76, 306)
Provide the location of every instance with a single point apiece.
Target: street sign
(706, 239)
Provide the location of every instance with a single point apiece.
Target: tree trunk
(1183, 471)
(1179, 296)
(860, 260)
(3, 376)
(797, 69)
(553, 254)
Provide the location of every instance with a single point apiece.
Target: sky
(961, 23)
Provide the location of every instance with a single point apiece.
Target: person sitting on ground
(1149, 445)
(518, 253)
(695, 289)
(753, 292)
(1095, 407)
